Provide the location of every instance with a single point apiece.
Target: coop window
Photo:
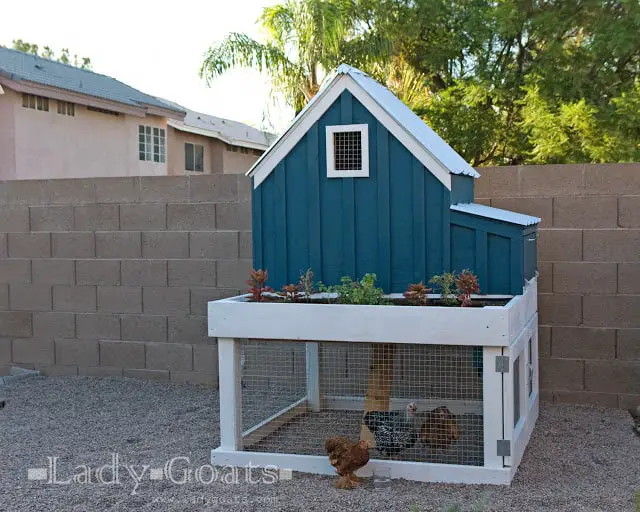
(348, 151)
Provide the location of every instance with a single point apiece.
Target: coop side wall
(394, 223)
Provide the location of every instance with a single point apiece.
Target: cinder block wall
(112, 276)
(589, 263)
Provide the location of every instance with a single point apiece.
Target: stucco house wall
(237, 162)
(7, 137)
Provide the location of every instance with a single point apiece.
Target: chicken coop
(359, 184)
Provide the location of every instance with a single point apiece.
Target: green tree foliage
(65, 56)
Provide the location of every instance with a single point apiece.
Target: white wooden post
(492, 407)
(313, 376)
(230, 394)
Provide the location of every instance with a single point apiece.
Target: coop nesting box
(359, 184)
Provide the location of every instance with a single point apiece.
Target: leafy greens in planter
(417, 294)
(363, 292)
(446, 282)
(466, 284)
(257, 287)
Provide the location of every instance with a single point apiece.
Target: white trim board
(314, 111)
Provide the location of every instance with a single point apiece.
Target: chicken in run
(635, 414)
(347, 457)
(393, 431)
(439, 429)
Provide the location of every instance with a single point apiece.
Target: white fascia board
(215, 135)
(287, 141)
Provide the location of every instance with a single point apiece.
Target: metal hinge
(502, 364)
(504, 448)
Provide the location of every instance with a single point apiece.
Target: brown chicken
(439, 429)
(347, 457)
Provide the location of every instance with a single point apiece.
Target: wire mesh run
(347, 151)
(420, 403)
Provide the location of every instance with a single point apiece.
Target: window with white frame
(348, 151)
(66, 108)
(151, 144)
(193, 157)
(35, 102)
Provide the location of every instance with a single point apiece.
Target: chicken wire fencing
(423, 402)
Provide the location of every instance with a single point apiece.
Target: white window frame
(364, 140)
(148, 149)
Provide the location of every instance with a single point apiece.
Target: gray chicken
(394, 431)
(635, 414)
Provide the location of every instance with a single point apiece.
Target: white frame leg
(492, 407)
(230, 394)
(313, 376)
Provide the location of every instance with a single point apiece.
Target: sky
(155, 48)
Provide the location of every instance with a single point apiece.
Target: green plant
(446, 283)
(466, 284)
(306, 284)
(417, 294)
(257, 287)
(363, 292)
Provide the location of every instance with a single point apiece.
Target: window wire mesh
(276, 418)
(347, 150)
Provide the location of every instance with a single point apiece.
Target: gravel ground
(580, 458)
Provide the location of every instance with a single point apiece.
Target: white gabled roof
(400, 120)
(490, 212)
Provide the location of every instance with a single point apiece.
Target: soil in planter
(476, 303)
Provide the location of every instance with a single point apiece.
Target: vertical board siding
(434, 226)
(348, 200)
(256, 231)
(314, 211)
(481, 262)
(297, 205)
(499, 255)
(419, 223)
(384, 209)
(463, 248)
(461, 189)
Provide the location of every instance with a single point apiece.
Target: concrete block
(96, 217)
(33, 350)
(15, 271)
(73, 245)
(493, 181)
(119, 299)
(159, 375)
(118, 244)
(71, 191)
(100, 371)
(233, 216)
(77, 299)
(14, 219)
(143, 217)
(201, 296)
(586, 397)
(215, 245)
(629, 278)
(582, 277)
(53, 271)
(546, 396)
(629, 211)
(4, 251)
(565, 374)
(537, 206)
(585, 212)
(5, 351)
(143, 327)
(545, 279)
(583, 343)
(188, 329)
(98, 326)
(628, 344)
(98, 272)
(4, 297)
(144, 273)
(29, 245)
(51, 218)
(165, 245)
(26, 192)
(165, 301)
(560, 245)
(628, 401)
(117, 190)
(203, 379)
(123, 354)
(245, 189)
(612, 179)
(233, 274)
(560, 309)
(169, 356)
(15, 324)
(611, 310)
(164, 189)
(192, 273)
(54, 325)
(205, 358)
(548, 180)
(246, 245)
(57, 371)
(77, 352)
(29, 297)
(612, 245)
(612, 376)
(544, 341)
(217, 188)
(191, 216)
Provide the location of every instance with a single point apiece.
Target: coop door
(520, 389)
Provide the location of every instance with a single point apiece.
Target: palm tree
(306, 39)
